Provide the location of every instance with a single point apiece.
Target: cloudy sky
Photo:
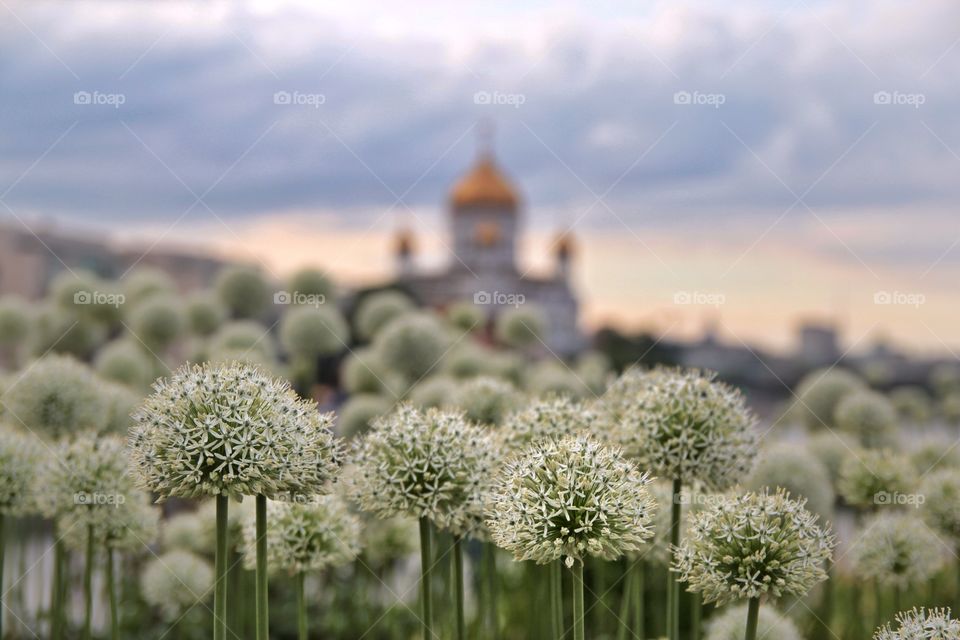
(791, 159)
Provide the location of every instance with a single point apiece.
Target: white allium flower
(756, 544)
(20, 455)
(176, 582)
(130, 524)
(870, 477)
(59, 331)
(819, 393)
(126, 362)
(84, 478)
(925, 624)
(486, 400)
(244, 336)
(363, 371)
(145, 282)
(308, 535)
(521, 327)
(792, 468)
(186, 531)
(552, 417)
(831, 448)
(204, 312)
(357, 414)
(389, 540)
(466, 316)
(412, 344)
(897, 549)
(56, 396)
(933, 452)
(309, 332)
(570, 498)
(913, 404)
(682, 424)
(435, 391)
(466, 360)
(869, 417)
(15, 320)
(157, 321)
(431, 464)
(950, 407)
(941, 506)
(230, 430)
(553, 377)
(377, 310)
(730, 623)
(312, 283)
(657, 548)
(121, 402)
(243, 291)
(594, 369)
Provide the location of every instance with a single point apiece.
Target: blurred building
(485, 221)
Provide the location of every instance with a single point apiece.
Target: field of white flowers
(265, 460)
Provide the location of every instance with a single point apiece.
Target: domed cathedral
(485, 218)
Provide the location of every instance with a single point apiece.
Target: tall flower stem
(696, 615)
(623, 619)
(489, 561)
(673, 585)
(88, 584)
(301, 607)
(112, 596)
(220, 588)
(637, 571)
(426, 595)
(56, 594)
(578, 622)
(458, 586)
(753, 616)
(263, 623)
(556, 599)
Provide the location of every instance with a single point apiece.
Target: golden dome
(484, 186)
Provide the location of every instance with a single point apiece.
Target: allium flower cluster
(19, 456)
(431, 464)
(869, 417)
(941, 507)
(553, 417)
(175, 582)
(684, 424)
(897, 549)
(731, 624)
(56, 396)
(922, 624)
(84, 480)
(819, 393)
(230, 430)
(799, 472)
(753, 545)
(130, 524)
(570, 498)
(486, 400)
(307, 535)
(870, 477)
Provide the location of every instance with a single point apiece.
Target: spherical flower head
(570, 498)
(145, 282)
(243, 291)
(84, 478)
(56, 396)
(125, 362)
(897, 549)
(792, 468)
(64, 331)
(20, 453)
(552, 377)
(244, 336)
(819, 393)
(309, 332)
(435, 391)
(752, 545)
(186, 531)
(305, 535)
(121, 402)
(593, 368)
(412, 344)
(130, 523)
(486, 400)
(363, 371)
(870, 477)
(377, 310)
(431, 464)
(157, 321)
(15, 319)
(831, 448)
(230, 430)
(869, 417)
(657, 548)
(466, 360)
(684, 424)
(941, 505)
(465, 316)
(385, 541)
(913, 404)
(731, 624)
(551, 417)
(360, 411)
(313, 284)
(922, 624)
(175, 582)
(933, 452)
(204, 312)
(521, 327)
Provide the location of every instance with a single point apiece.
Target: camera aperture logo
(498, 98)
(299, 99)
(897, 499)
(299, 298)
(99, 98)
(499, 298)
(699, 98)
(99, 298)
(901, 298)
(898, 98)
(99, 499)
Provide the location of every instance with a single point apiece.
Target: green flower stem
(556, 599)
(623, 619)
(897, 596)
(88, 584)
(696, 615)
(220, 589)
(489, 559)
(753, 616)
(458, 586)
(638, 571)
(112, 596)
(56, 595)
(426, 558)
(301, 607)
(578, 622)
(263, 623)
(673, 585)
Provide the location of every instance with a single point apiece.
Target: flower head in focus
(922, 624)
